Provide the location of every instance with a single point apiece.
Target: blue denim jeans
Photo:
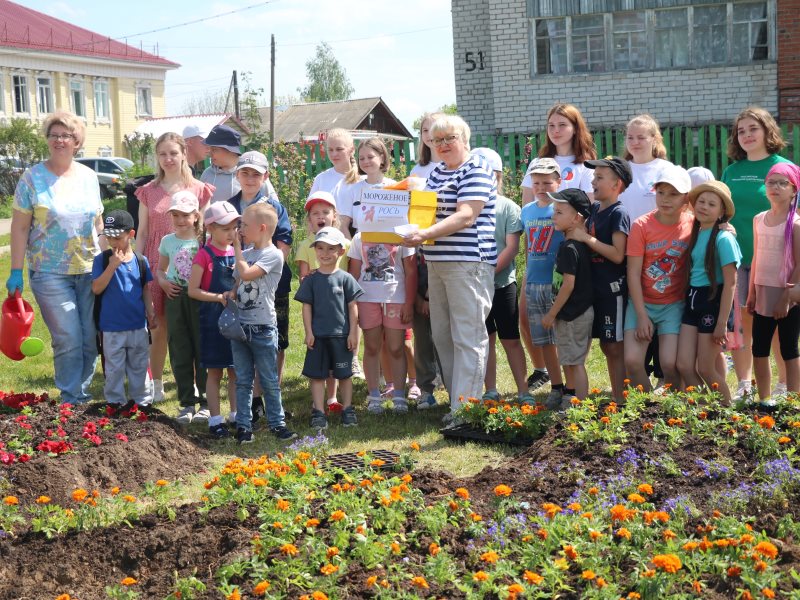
(67, 304)
(259, 353)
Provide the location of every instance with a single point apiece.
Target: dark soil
(153, 549)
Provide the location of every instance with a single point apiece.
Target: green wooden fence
(704, 146)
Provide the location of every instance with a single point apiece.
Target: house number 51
(472, 63)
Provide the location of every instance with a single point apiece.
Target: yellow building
(48, 64)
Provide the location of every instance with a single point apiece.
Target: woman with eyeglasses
(754, 143)
(461, 259)
(57, 213)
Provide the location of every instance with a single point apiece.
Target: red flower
(103, 422)
(121, 437)
(24, 457)
(7, 458)
(141, 417)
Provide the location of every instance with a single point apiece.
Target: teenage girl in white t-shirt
(570, 143)
(427, 156)
(646, 154)
(373, 162)
(342, 153)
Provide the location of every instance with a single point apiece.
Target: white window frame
(105, 151)
(147, 110)
(44, 92)
(2, 92)
(650, 19)
(26, 98)
(102, 118)
(77, 81)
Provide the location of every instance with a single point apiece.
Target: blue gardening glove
(14, 281)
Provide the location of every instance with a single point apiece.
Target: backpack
(98, 300)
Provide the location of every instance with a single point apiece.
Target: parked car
(110, 170)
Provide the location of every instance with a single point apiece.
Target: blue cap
(223, 136)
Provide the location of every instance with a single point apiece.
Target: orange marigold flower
(319, 596)
(634, 596)
(746, 538)
(649, 573)
(234, 595)
(462, 493)
(434, 549)
(261, 588)
(282, 505)
(371, 580)
(490, 557)
(378, 462)
(766, 549)
(415, 446)
(784, 439)
(760, 566)
(64, 597)
(767, 592)
(114, 491)
(605, 420)
(621, 513)
(533, 578)
(645, 488)
(574, 507)
(332, 551)
(635, 498)
(277, 525)
(312, 522)
(502, 490)
(647, 426)
(419, 582)
(395, 548)
(570, 552)
(746, 595)
(338, 515)
(43, 500)
(162, 482)
(10, 500)
(575, 401)
(669, 563)
(79, 495)
(766, 422)
(551, 510)
(480, 576)
(593, 491)
(588, 574)
(328, 569)
(541, 534)
(690, 546)
(668, 534)
(624, 533)
(595, 535)
(476, 517)
(129, 498)
(289, 550)
(697, 587)
(734, 571)
(129, 581)
(514, 590)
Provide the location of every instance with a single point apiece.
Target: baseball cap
(718, 188)
(221, 213)
(700, 175)
(616, 164)
(323, 197)
(116, 223)
(191, 131)
(253, 160)
(223, 136)
(184, 201)
(492, 157)
(576, 198)
(677, 177)
(544, 166)
(329, 235)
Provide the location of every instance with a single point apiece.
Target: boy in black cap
(119, 280)
(606, 235)
(572, 312)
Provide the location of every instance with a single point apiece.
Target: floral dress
(159, 224)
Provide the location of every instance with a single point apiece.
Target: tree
(448, 109)
(21, 139)
(207, 102)
(327, 79)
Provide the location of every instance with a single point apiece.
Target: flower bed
(666, 498)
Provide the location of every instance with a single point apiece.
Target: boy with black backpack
(123, 309)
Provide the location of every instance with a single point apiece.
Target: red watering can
(15, 329)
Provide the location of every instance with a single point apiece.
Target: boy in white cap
(196, 149)
(330, 320)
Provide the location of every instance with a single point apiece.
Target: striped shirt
(472, 181)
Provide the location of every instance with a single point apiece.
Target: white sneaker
(186, 415)
(202, 415)
(375, 405)
(158, 390)
(358, 372)
(744, 391)
(779, 389)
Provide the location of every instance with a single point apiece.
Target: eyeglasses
(445, 141)
(778, 184)
(60, 137)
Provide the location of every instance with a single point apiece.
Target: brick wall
(518, 102)
(789, 60)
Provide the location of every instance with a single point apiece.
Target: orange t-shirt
(665, 252)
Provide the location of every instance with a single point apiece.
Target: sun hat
(718, 188)
(329, 235)
(320, 197)
(544, 166)
(191, 131)
(253, 160)
(184, 201)
(221, 213)
(677, 177)
(619, 165)
(116, 223)
(492, 157)
(576, 198)
(700, 175)
(223, 136)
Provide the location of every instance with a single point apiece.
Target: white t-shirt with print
(640, 197)
(573, 175)
(382, 277)
(350, 196)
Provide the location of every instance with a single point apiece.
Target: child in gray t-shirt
(330, 319)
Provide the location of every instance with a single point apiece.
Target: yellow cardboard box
(421, 212)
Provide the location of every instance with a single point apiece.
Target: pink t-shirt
(665, 252)
(768, 272)
(204, 260)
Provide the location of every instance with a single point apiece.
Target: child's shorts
(503, 318)
(573, 338)
(215, 350)
(701, 310)
(666, 318)
(609, 315)
(282, 317)
(375, 314)
(329, 357)
(539, 300)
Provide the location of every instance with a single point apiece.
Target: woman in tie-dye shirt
(57, 214)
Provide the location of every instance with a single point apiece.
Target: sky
(399, 50)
